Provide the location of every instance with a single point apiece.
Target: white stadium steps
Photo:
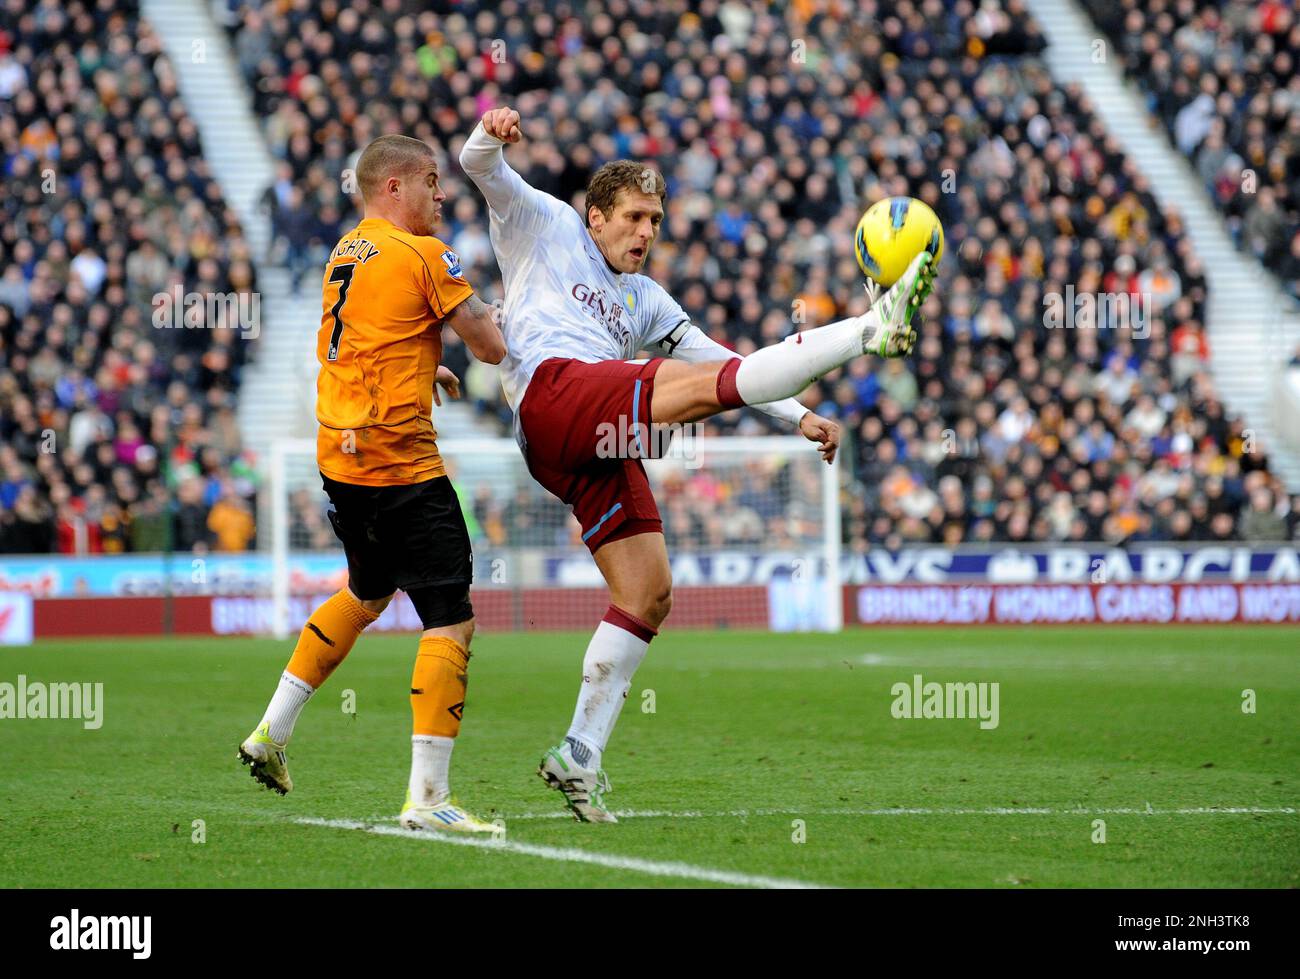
(217, 99)
(1251, 328)
(270, 400)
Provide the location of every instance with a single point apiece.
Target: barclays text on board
(56, 576)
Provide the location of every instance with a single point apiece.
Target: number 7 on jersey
(342, 274)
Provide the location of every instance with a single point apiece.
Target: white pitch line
(910, 811)
(655, 868)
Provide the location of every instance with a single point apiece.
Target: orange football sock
(328, 637)
(438, 686)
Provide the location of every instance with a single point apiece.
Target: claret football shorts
(567, 417)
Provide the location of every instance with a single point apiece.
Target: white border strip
(637, 865)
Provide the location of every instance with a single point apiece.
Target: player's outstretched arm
(474, 323)
(484, 162)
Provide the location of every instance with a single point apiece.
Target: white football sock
(286, 704)
(785, 369)
(612, 657)
(430, 764)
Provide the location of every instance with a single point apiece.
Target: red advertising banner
(1072, 604)
(190, 615)
(496, 610)
(711, 607)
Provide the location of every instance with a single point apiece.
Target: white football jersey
(561, 298)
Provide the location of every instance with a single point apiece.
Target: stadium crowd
(774, 129)
(104, 404)
(1223, 79)
(773, 134)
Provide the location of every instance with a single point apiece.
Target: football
(891, 233)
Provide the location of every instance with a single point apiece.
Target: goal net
(752, 526)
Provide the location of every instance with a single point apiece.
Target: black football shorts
(410, 537)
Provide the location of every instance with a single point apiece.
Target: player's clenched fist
(823, 431)
(503, 123)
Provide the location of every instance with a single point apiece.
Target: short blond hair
(617, 176)
(390, 156)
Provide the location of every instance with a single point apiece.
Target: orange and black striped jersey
(386, 295)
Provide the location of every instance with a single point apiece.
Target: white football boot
(892, 335)
(445, 816)
(266, 760)
(583, 788)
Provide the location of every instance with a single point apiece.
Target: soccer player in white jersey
(576, 311)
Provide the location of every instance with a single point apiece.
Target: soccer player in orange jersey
(389, 287)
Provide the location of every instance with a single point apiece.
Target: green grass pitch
(755, 741)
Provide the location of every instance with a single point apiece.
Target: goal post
(752, 527)
(279, 486)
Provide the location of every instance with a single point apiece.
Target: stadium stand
(999, 428)
(1222, 78)
(110, 397)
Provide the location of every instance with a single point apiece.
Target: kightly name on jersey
(361, 248)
